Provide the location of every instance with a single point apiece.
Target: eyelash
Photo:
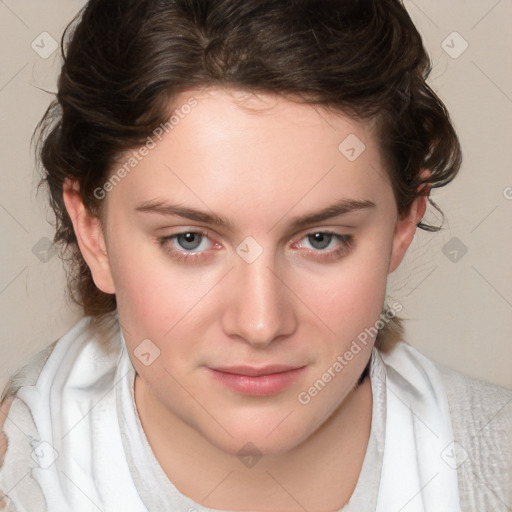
(347, 243)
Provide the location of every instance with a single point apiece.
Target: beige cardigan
(482, 426)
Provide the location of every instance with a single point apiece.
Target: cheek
(350, 297)
(353, 304)
(161, 300)
(152, 300)
(148, 294)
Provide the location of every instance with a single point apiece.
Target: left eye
(321, 239)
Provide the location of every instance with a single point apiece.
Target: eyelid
(346, 242)
(181, 255)
(335, 230)
(198, 231)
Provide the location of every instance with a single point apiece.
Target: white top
(75, 441)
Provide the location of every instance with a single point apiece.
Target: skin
(259, 161)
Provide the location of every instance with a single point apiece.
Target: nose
(260, 306)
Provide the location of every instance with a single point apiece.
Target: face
(212, 267)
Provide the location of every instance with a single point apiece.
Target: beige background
(458, 304)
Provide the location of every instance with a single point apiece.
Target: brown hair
(125, 61)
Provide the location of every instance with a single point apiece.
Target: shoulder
(17, 429)
(65, 350)
(26, 374)
(478, 405)
(481, 415)
(27, 407)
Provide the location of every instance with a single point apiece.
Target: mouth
(247, 380)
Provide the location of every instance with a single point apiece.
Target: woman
(234, 181)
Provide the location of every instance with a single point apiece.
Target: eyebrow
(341, 207)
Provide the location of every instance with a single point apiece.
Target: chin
(268, 435)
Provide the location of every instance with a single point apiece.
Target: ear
(406, 227)
(90, 237)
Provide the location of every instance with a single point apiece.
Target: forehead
(253, 110)
(257, 150)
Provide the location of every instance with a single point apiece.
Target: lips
(263, 381)
(256, 372)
